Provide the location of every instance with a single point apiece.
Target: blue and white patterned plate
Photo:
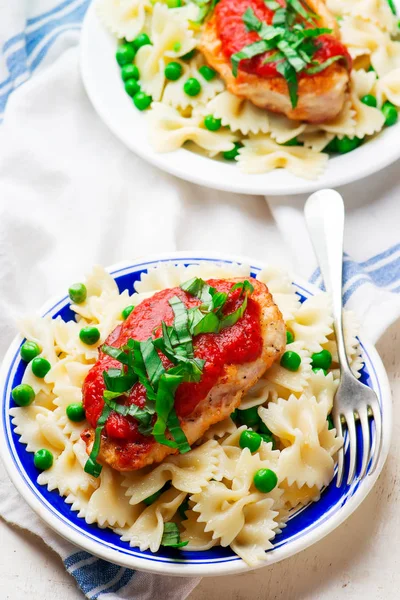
(304, 528)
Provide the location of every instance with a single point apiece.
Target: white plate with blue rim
(102, 80)
(305, 527)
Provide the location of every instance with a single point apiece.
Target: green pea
(189, 55)
(132, 87)
(130, 72)
(321, 360)
(289, 337)
(250, 440)
(127, 311)
(348, 144)
(262, 428)
(43, 459)
(332, 147)
(174, 3)
(173, 71)
(317, 369)
(77, 293)
(125, 54)
(153, 497)
(183, 508)
(268, 439)
(142, 100)
(207, 72)
(192, 87)
(369, 100)
(141, 40)
(249, 416)
(211, 123)
(390, 113)
(76, 412)
(265, 480)
(330, 422)
(29, 350)
(232, 154)
(23, 394)
(291, 361)
(177, 47)
(40, 367)
(89, 335)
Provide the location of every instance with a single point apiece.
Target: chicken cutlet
(320, 93)
(234, 359)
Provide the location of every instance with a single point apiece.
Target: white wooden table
(360, 560)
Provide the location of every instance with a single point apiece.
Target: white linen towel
(71, 196)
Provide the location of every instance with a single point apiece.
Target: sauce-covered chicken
(232, 359)
(303, 73)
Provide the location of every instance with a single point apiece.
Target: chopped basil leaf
(118, 381)
(248, 52)
(164, 404)
(292, 55)
(116, 353)
(289, 74)
(92, 466)
(171, 536)
(208, 324)
(177, 432)
(244, 286)
(324, 65)
(181, 324)
(152, 362)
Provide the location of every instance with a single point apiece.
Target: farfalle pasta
(208, 494)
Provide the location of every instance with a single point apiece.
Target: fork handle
(324, 214)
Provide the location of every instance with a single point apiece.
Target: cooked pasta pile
(368, 28)
(215, 478)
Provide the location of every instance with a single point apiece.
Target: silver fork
(324, 214)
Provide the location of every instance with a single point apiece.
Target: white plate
(304, 528)
(102, 80)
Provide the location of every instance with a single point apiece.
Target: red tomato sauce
(237, 344)
(234, 37)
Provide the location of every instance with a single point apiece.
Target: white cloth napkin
(71, 195)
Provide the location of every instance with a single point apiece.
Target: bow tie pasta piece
(37, 428)
(259, 528)
(260, 154)
(194, 533)
(360, 36)
(175, 95)
(323, 388)
(169, 131)
(386, 57)
(41, 331)
(123, 18)
(376, 11)
(282, 129)
(368, 119)
(388, 88)
(108, 506)
(68, 395)
(312, 323)
(353, 349)
(147, 531)
(294, 496)
(280, 286)
(187, 473)
(301, 425)
(220, 430)
(239, 114)
(343, 124)
(232, 454)
(291, 380)
(315, 139)
(171, 38)
(98, 282)
(67, 473)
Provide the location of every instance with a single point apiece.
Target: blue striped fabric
(381, 270)
(23, 53)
